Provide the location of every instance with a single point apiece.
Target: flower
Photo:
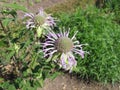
(65, 46)
(39, 19)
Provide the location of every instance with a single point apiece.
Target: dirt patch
(66, 82)
(33, 6)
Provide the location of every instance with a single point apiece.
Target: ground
(64, 82)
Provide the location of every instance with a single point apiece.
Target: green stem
(5, 31)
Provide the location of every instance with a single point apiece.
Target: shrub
(113, 6)
(99, 30)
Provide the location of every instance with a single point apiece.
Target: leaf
(41, 82)
(2, 44)
(39, 31)
(34, 62)
(54, 75)
(10, 55)
(6, 21)
(55, 56)
(1, 80)
(11, 87)
(9, 12)
(15, 6)
(29, 71)
(16, 47)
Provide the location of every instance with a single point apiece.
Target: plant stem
(3, 26)
(5, 31)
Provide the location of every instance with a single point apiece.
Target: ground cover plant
(32, 49)
(114, 6)
(101, 32)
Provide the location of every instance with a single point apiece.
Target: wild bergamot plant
(22, 66)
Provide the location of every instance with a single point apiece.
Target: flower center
(64, 44)
(39, 19)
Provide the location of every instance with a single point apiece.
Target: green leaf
(16, 47)
(41, 82)
(39, 31)
(55, 56)
(10, 55)
(1, 80)
(34, 62)
(54, 75)
(11, 87)
(2, 44)
(6, 21)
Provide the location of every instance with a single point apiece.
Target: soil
(66, 82)
(63, 82)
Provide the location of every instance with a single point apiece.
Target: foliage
(22, 65)
(101, 32)
(114, 6)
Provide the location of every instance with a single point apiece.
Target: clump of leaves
(99, 30)
(114, 6)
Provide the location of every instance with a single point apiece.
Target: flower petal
(80, 52)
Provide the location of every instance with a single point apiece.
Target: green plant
(100, 31)
(113, 6)
(22, 65)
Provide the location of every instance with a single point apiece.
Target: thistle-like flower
(60, 43)
(39, 19)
